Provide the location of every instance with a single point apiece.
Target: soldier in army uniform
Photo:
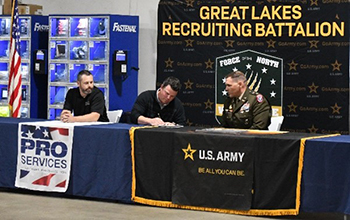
(244, 108)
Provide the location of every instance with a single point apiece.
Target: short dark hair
(237, 75)
(83, 72)
(173, 82)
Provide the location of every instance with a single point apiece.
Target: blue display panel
(74, 69)
(78, 27)
(58, 49)
(57, 94)
(59, 27)
(5, 25)
(98, 27)
(24, 27)
(25, 92)
(99, 72)
(98, 50)
(4, 45)
(3, 70)
(104, 91)
(58, 72)
(55, 113)
(24, 112)
(78, 50)
(3, 93)
(24, 49)
(25, 71)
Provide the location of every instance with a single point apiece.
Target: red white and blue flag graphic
(44, 156)
(15, 78)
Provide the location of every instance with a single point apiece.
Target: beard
(87, 91)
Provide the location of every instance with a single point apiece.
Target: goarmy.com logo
(212, 155)
(124, 28)
(189, 3)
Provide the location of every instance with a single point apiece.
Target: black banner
(310, 38)
(153, 153)
(267, 183)
(213, 171)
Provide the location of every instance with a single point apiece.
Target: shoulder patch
(259, 98)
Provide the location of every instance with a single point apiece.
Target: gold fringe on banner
(252, 212)
(133, 183)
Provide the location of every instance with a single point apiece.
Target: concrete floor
(16, 205)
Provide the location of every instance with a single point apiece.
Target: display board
(33, 36)
(89, 42)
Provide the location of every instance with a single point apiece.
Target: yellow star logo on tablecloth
(293, 65)
(313, 129)
(208, 104)
(189, 43)
(188, 84)
(336, 65)
(189, 152)
(209, 64)
(313, 88)
(292, 107)
(336, 108)
(169, 63)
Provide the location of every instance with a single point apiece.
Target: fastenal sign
(264, 75)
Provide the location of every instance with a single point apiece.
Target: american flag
(45, 133)
(15, 78)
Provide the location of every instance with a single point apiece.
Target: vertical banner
(44, 156)
(309, 40)
(216, 175)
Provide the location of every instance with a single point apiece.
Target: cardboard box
(7, 9)
(7, 6)
(29, 9)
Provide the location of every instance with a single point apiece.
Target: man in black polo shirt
(86, 102)
(160, 107)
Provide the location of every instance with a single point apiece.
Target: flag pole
(15, 78)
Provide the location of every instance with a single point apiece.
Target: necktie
(234, 103)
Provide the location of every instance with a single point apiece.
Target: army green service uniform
(253, 111)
